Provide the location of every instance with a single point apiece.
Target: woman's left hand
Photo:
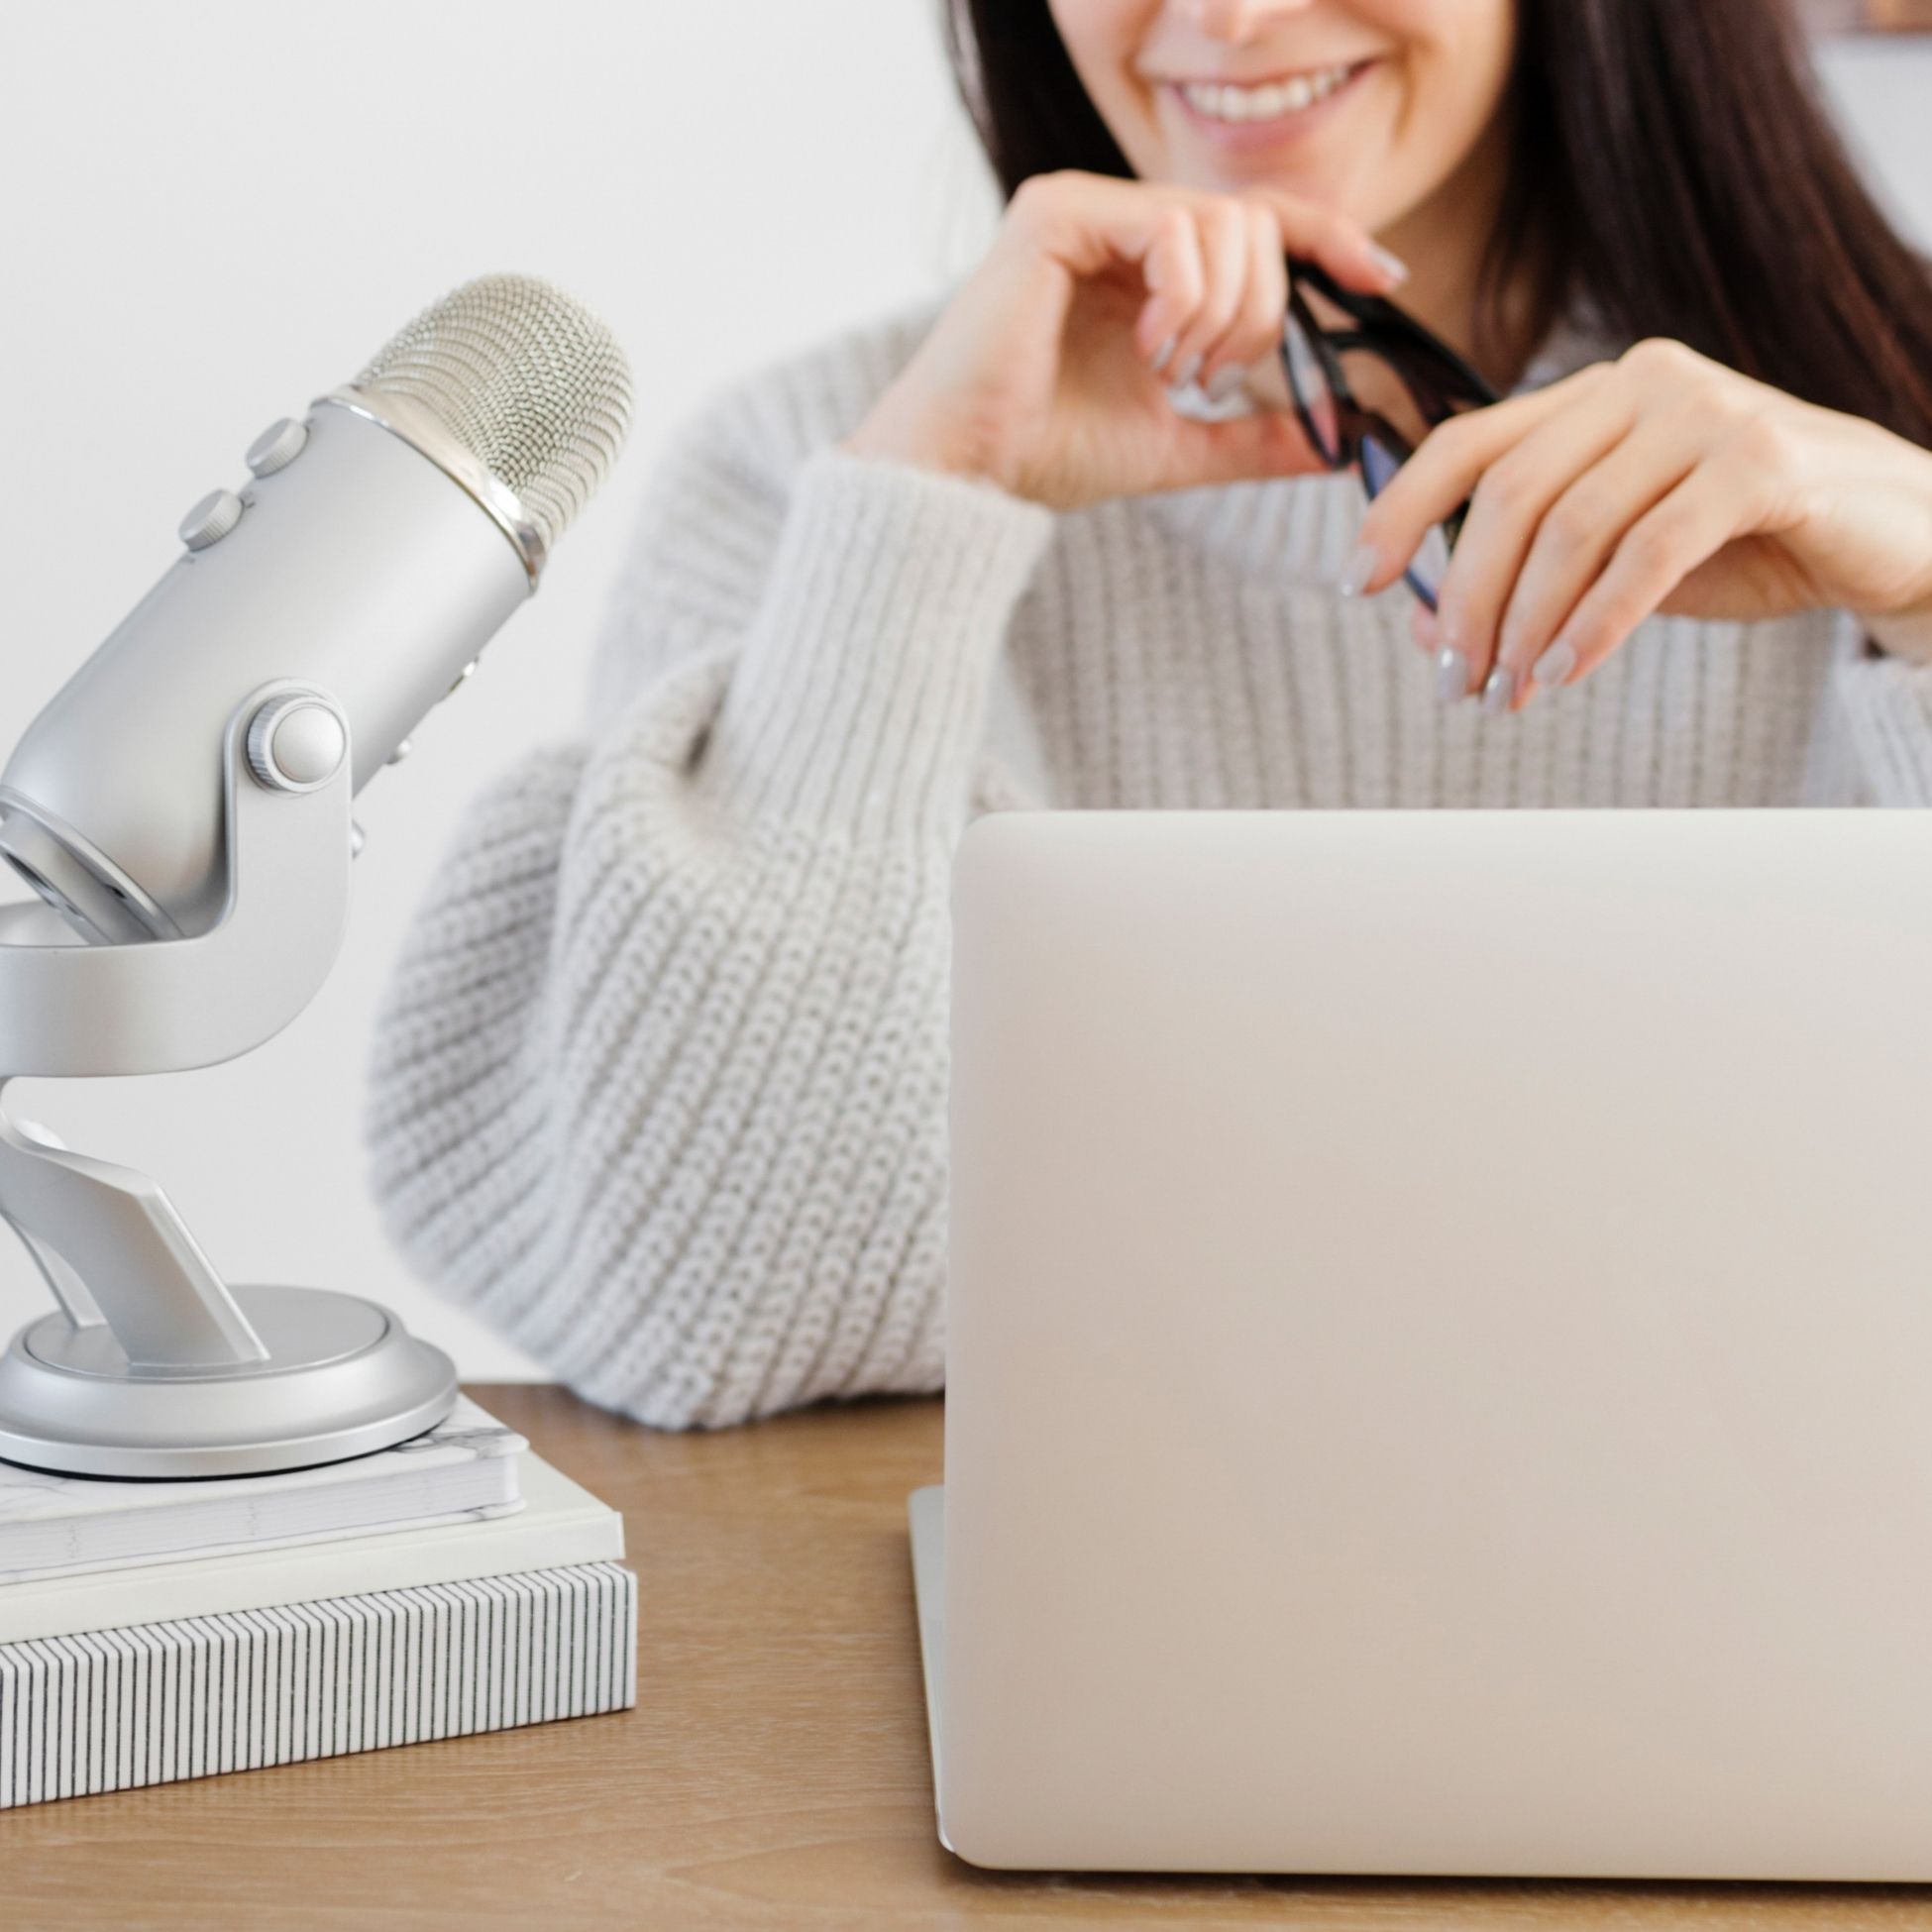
(1660, 481)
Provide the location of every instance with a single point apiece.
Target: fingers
(1553, 481)
(1219, 278)
(1212, 265)
(1256, 327)
(1594, 504)
(1445, 471)
(1553, 493)
(1225, 237)
(1509, 514)
(1575, 538)
(1689, 525)
(1176, 277)
(1231, 315)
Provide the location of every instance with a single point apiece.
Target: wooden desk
(773, 1776)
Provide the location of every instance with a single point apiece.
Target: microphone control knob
(296, 742)
(278, 446)
(211, 519)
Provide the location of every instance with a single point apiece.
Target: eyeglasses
(1345, 434)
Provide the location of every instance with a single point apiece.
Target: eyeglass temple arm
(1377, 315)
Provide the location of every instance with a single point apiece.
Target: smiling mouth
(1272, 100)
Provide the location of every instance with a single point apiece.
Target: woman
(661, 1086)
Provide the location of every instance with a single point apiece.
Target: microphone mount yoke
(154, 1366)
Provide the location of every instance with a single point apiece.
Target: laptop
(1440, 1370)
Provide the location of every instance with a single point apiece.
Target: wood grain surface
(773, 1776)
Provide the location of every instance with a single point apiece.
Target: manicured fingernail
(1225, 382)
(1188, 370)
(1452, 675)
(1500, 689)
(1164, 354)
(1392, 266)
(1353, 580)
(1553, 666)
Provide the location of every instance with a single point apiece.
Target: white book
(238, 1690)
(464, 1469)
(560, 1525)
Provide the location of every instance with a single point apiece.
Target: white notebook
(464, 1469)
(560, 1523)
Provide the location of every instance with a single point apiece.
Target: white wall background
(209, 217)
(1881, 87)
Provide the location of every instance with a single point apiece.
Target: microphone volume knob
(211, 519)
(278, 446)
(296, 742)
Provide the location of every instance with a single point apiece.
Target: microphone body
(381, 545)
(361, 568)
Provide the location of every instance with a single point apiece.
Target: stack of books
(154, 1631)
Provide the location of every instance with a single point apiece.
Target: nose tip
(1233, 20)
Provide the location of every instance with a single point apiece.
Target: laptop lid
(1440, 1343)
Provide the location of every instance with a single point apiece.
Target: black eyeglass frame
(1437, 378)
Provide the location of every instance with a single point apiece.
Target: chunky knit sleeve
(659, 1087)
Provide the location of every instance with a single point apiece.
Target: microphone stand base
(341, 1377)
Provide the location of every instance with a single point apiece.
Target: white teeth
(1278, 98)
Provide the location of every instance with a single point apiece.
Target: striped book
(150, 1703)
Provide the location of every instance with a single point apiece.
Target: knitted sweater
(659, 1089)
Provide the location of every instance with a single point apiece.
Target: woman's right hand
(1047, 373)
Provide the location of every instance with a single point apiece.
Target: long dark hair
(1672, 168)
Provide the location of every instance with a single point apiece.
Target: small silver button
(463, 677)
(296, 743)
(278, 446)
(211, 519)
(402, 751)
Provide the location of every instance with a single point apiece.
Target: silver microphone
(184, 804)
(377, 546)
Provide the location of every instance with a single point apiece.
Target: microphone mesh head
(527, 379)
